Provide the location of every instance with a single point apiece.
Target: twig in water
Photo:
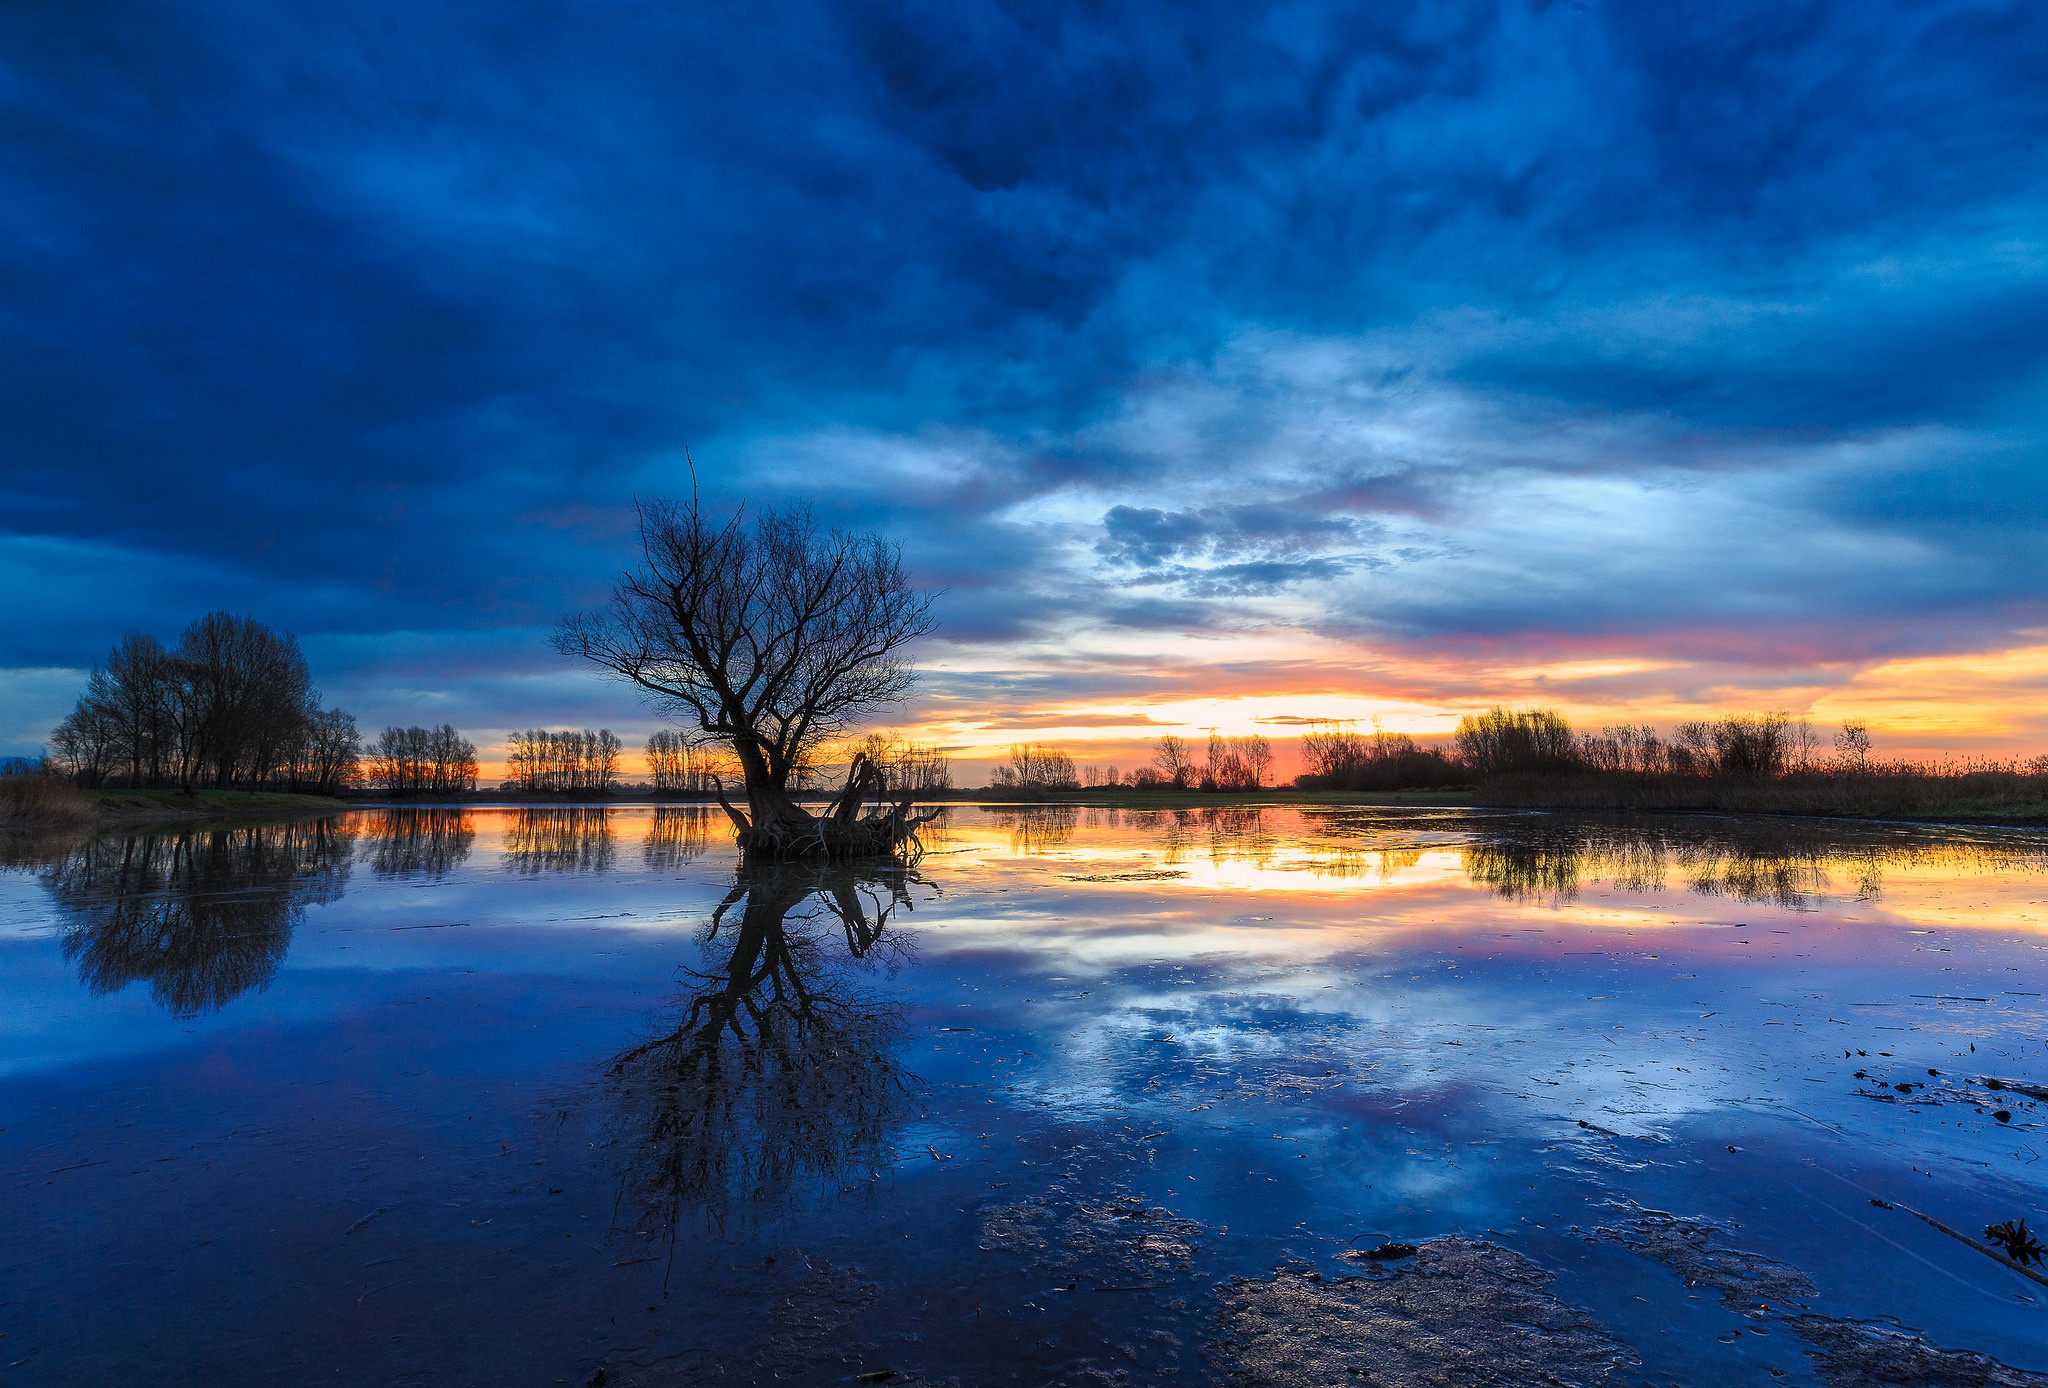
(1961, 1237)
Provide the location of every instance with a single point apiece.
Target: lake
(1083, 1096)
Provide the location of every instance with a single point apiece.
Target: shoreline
(134, 810)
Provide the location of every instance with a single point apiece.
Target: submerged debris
(1465, 1312)
(1121, 1238)
(1138, 875)
(1882, 1354)
(1847, 1353)
(1385, 1253)
(1746, 1281)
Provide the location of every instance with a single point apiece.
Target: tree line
(677, 767)
(1232, 763)
(231, 705)
(423, 761)
(1502, 744)
(564, 763)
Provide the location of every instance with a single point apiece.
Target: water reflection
(561, 838)
(779, 1068)
(425, 842)
(1037, 828)
(1795, 864)
(678, 834)
(202, 916)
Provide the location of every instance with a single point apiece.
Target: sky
(1227, 366)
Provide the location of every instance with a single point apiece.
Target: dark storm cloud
(373, 318)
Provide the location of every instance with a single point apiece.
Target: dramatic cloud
(1417, 354)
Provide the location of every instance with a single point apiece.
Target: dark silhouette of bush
(1517, 742)
(1337, 757)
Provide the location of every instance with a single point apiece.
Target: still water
(518, 1096)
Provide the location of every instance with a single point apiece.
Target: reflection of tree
(778, 1071)
(676, 835)
(1038, 828)
(1238, 833)
(1528, 866)
(1791, 863)
(1342, 862)
(204, 916)
(426, 842)
(569, 838)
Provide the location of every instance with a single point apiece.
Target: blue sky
(1218, 360)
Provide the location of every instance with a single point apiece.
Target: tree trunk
(777, 827)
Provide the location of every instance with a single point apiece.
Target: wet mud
(1121, 1240)
(1460, 1312)
(1846, 1353)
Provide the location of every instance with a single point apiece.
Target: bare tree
(423, 761)
(1176, 762)
(1037, 766)
(772, 638)
(1237, 763)
(570, 763)
(233, 705)
(1517, 742)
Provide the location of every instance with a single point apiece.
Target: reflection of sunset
(1439, 870)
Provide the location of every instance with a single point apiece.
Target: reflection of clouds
(1247, 1043)
(203, 916)
(1530, 859)
(1546, 969)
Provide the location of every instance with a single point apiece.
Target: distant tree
(423, 761)
(1627, 749)
(922, 768)
(1237, 763)
(1852, 744)
(670, 764)
(1738, 746)
(774, 639)
(1175, 761)
(333, 751)
(88, 742)
(249, 686)
(912, 768)
(576, 763)
(1515, 742)
(232, 705)
(1335, 756)
(601, 758)
(1038, 766)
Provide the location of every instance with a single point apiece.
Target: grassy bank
(1978, 797)
(132, 808)
(1130, 798)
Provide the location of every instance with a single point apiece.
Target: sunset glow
(1644, 368)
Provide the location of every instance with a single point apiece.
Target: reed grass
(35, 803)
(1978, 791)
